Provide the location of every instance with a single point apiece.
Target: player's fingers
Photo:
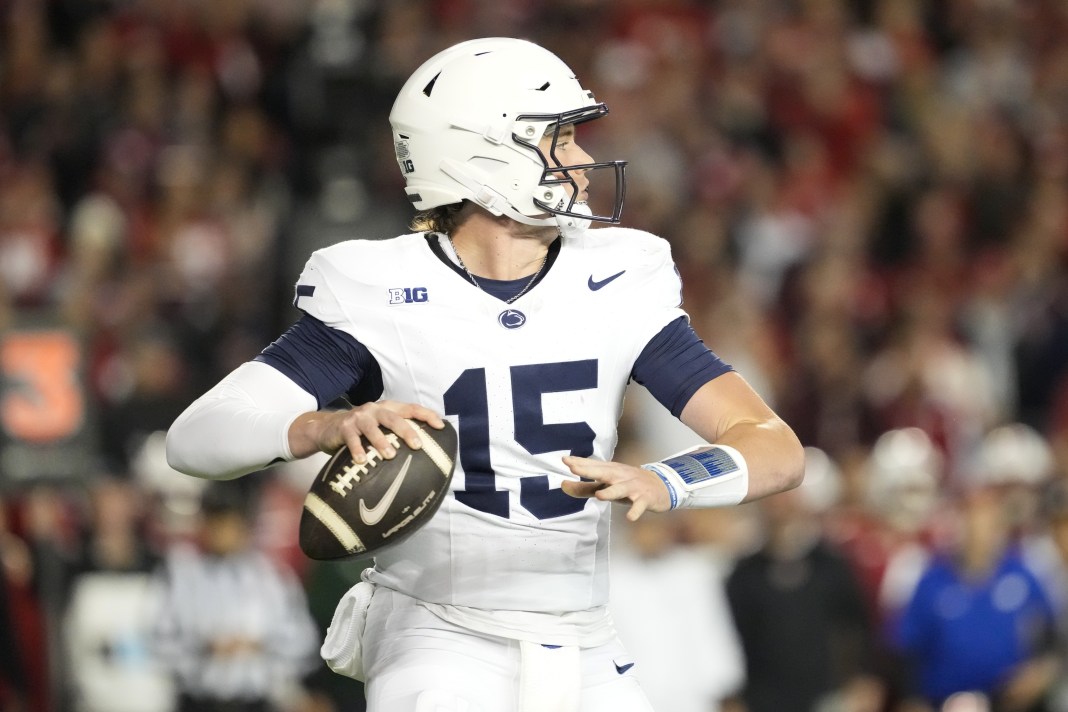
(366, 423)
(581, 490)
(395, 416)
(614, 492)
(588, 468)
(355, 446)
(636, 510)
(350, 432)
(427, 415)
(380, 442)
(402, 428)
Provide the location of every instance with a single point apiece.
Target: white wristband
(710, 476)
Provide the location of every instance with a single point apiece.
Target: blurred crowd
(868, 203)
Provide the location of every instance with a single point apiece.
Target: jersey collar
(434, 243)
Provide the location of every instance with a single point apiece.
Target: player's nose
(581, 157)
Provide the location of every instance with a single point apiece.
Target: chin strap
(497, 204)
(571, 226)
(481, 194)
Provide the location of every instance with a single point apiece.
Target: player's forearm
(774, 455)
(727, 411)
(747, 461)
(239, 426)
(220, 440)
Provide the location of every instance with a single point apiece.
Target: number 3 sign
(43, 410)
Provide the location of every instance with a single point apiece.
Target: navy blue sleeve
(326, 362)
(675, 363)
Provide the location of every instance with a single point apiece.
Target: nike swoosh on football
(373, 515)
(594, 286)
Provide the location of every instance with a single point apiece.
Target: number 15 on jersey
(467, 398)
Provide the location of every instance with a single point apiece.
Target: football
(352, 511)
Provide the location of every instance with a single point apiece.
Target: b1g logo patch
(408, 295)
(400, 146)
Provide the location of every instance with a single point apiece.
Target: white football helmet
(467, 123)
(1013, 454)
(903, 475)
(822, 487)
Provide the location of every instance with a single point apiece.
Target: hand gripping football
(352, 511)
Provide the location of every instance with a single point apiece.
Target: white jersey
(524, 384)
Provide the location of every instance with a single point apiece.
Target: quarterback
(505, 313)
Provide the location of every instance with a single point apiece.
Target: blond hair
(443, 218)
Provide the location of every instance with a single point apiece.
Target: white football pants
(417, 662)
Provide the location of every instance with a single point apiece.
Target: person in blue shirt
(978, 619)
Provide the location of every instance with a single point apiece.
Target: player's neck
(501, 249)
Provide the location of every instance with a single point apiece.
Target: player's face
(567, 152)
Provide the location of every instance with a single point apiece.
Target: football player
(505, 313)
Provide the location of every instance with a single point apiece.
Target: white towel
(550, 678)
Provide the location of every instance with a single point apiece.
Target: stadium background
(866, 199)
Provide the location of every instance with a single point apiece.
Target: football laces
(352, 473)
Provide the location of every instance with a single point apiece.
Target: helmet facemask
(556, 198)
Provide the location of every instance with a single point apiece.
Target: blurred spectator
(233, 628)
(823, 394)
(48, 526)
(174, 499)
(888, 538)
(925, 378)
(12, 674)
(978, 620)
(1055, 514)
(1016, 461)
(13, 688)
(108, 622)
(807, 638)
(146, 395)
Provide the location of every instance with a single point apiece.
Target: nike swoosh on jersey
(373, 515)
(594, 286)
(623, 668)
